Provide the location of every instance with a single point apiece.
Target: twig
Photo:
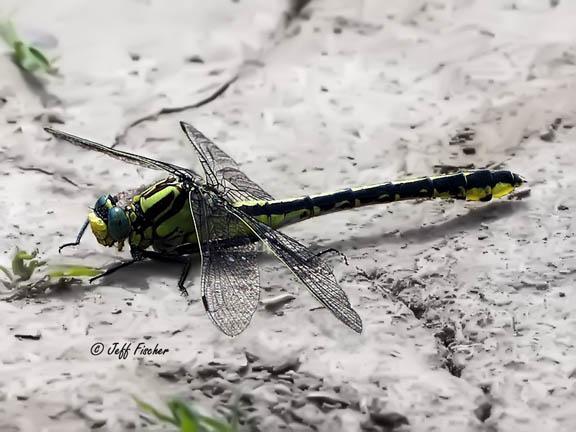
(49, 173)
(171, 110)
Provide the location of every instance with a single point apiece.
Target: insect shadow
(492, 211)
(138, 275)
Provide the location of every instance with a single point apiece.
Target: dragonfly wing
(230, 279)
(122, 155)
(223, 171)
(308, 267)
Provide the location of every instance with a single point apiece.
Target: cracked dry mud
(468, 308)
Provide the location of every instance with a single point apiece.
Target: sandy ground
(468, 309)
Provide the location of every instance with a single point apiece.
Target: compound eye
(101, 202)
(100, 206)
(118, 224)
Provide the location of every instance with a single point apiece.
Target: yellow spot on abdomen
(477, 194)
(443, 195)
(502, 189)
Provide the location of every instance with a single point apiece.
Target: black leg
(156, 256)
(78, 237)
(333, 251)
(114, 269)
(187, 261)
(184, 276)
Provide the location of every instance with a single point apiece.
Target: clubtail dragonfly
(224, 214)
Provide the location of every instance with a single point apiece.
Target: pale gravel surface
(464, 305)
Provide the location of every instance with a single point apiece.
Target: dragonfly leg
(78, 237)
(183, 277)
(173, 258)
(114, 269)
(336, 251)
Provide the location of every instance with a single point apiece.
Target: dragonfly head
(109, 222)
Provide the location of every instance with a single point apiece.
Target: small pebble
(326, 397)
(195, 59)
(390, 420)
(539, 285)
(548, 136)
(273, 304)
(483, 411)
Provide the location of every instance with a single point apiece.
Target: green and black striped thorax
(160, 217)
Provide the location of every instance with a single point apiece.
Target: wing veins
(310, 270)
(218, 165)
(231, 297)
(124, 156)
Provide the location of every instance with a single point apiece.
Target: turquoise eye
(101, 202)
(118, 224)
(100, 206)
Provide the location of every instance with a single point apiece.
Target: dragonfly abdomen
(481, 185)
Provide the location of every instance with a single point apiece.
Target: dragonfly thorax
(109, 223)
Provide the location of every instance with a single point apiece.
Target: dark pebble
(483, 411)
(390, 420)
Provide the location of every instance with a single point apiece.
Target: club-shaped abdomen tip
(518, 180)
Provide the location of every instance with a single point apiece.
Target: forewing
(221, 170)
(308, 267)
(230, 279)
(122, 155)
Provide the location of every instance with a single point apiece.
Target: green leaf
(151, 410)
(18, 266)
(22, 270)
(20, 56)
(26, 56)
(8, 33)
(179, 408)
(41, 60)
(187, 419)
(215, 425)
(73, 271)
(38, 55)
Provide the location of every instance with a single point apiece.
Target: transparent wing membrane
(124, 156)
(230, 279)
(314, 273)
(222, 171)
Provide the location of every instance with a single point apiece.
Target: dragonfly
(223, 215)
